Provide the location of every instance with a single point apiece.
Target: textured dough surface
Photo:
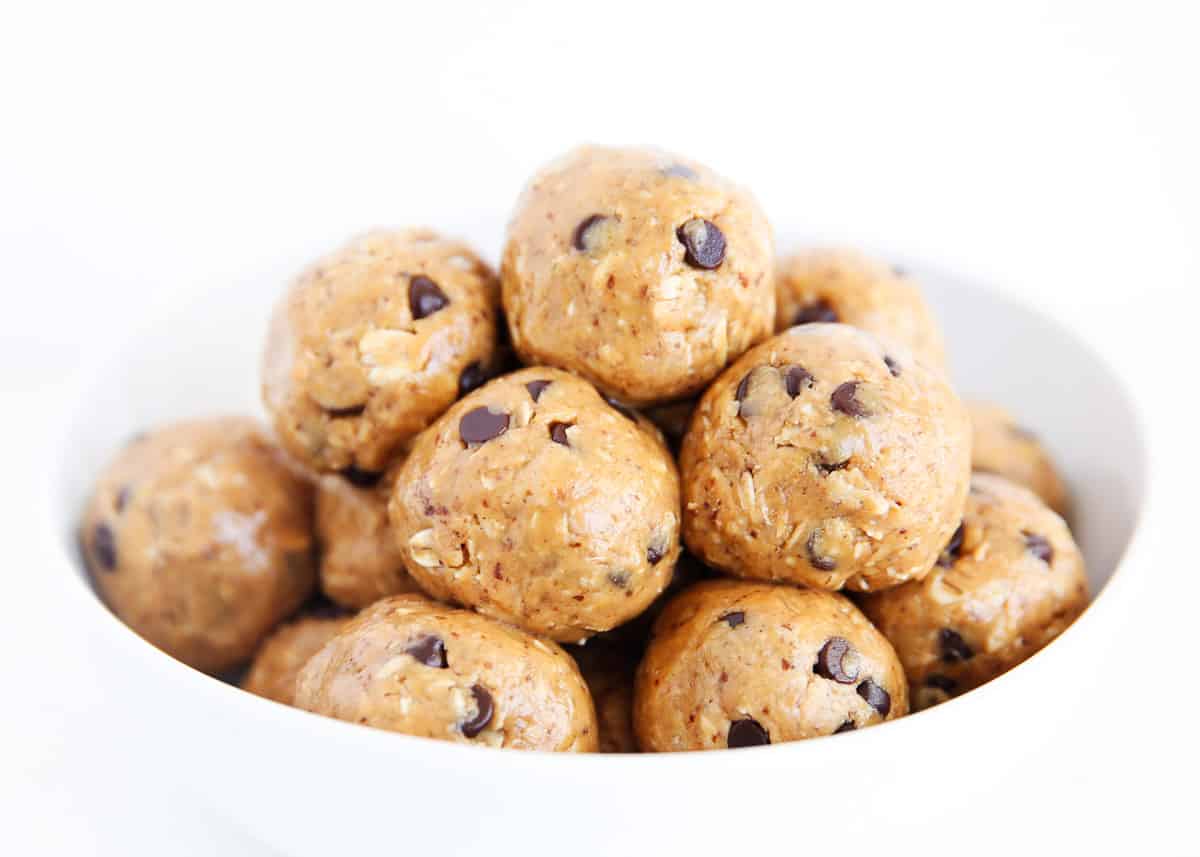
(734, 663)
(994, 598)
(619, 303)
(199, 537)
(407, 664)
(350, 372)
(838, 285)
(566, 522)
(282, 655)
(999, 445)
(856, 480)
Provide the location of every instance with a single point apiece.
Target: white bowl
(313, 786)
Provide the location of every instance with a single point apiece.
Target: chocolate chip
(796, 379)
(619, 578)
(425, 297)
(482, 425)
(362, 478)
(471, 378)
(953, 549)
(585, 233)
(704, 243)
(352, 411)
(837, 661)
(876, 697)
(558, 433)
(826, 467)
(104, 545)
(892, 365)
(484, 707)
(623, 410)
(817, 311)
(654, 554)
(847, 726)
(122, 498)
(941, 682)
(845, 399)
(681, 171)
(1039, 546)
(816, 559)
(536, 388)
(953, 647)
(429, 650)
(746, 732)
(743, 387)
(733, 618)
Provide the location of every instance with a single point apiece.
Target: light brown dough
(1001, 446)
(735, 664)
(199, 538)
(534, 501)
(372, 342)
(597, 278)
(282, 655)
(823, 457)
(411, 665)
(608, 670)
(1010, 582)
(834, 285)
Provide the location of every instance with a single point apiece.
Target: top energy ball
(643, 272)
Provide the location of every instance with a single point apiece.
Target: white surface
(1046, 147)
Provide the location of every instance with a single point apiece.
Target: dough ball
(737, 664)
(640, 271)
(410, 665)
(823, 457)
(826, 285)
(536, 502)
(199, 538)
(282, 655)
(1009, 581)
(373, 342)
(1001, 446)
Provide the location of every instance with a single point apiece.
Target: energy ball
(1001, 446)
(823, 457)
(737, 664)
(373, 342)
(536, 502)
(360, 560)
(1009, 581)
(608, 670)
(410, 665)
(640, 271)
(827, 285)
(282, 655)
(199, 538)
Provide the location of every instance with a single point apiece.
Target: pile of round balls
(648, 489)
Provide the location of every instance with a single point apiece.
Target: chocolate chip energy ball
(737, 664)
(1009, 581)
(608, 670)
(199, 538)
(1003, 447)
(282, 655)
(828, 285)
(360, 560)
(410, 665)
(372, 342)
(640, 271)
(823, 457)
(536, 502)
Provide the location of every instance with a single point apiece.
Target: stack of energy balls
(645, 490)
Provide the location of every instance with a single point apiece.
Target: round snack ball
(822, 457)
(282, 655)
(536, 502)
(360, 560)
(640, 271)
(736, 664)
(608, 671)
(411, 665)
(373, 342)
(199, 538)
(827, 285)
(999, 445)
(1009, 581)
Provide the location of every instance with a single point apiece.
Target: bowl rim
(71, 579)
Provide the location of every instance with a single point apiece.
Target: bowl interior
(202, 359)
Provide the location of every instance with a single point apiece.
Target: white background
(150, 148)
